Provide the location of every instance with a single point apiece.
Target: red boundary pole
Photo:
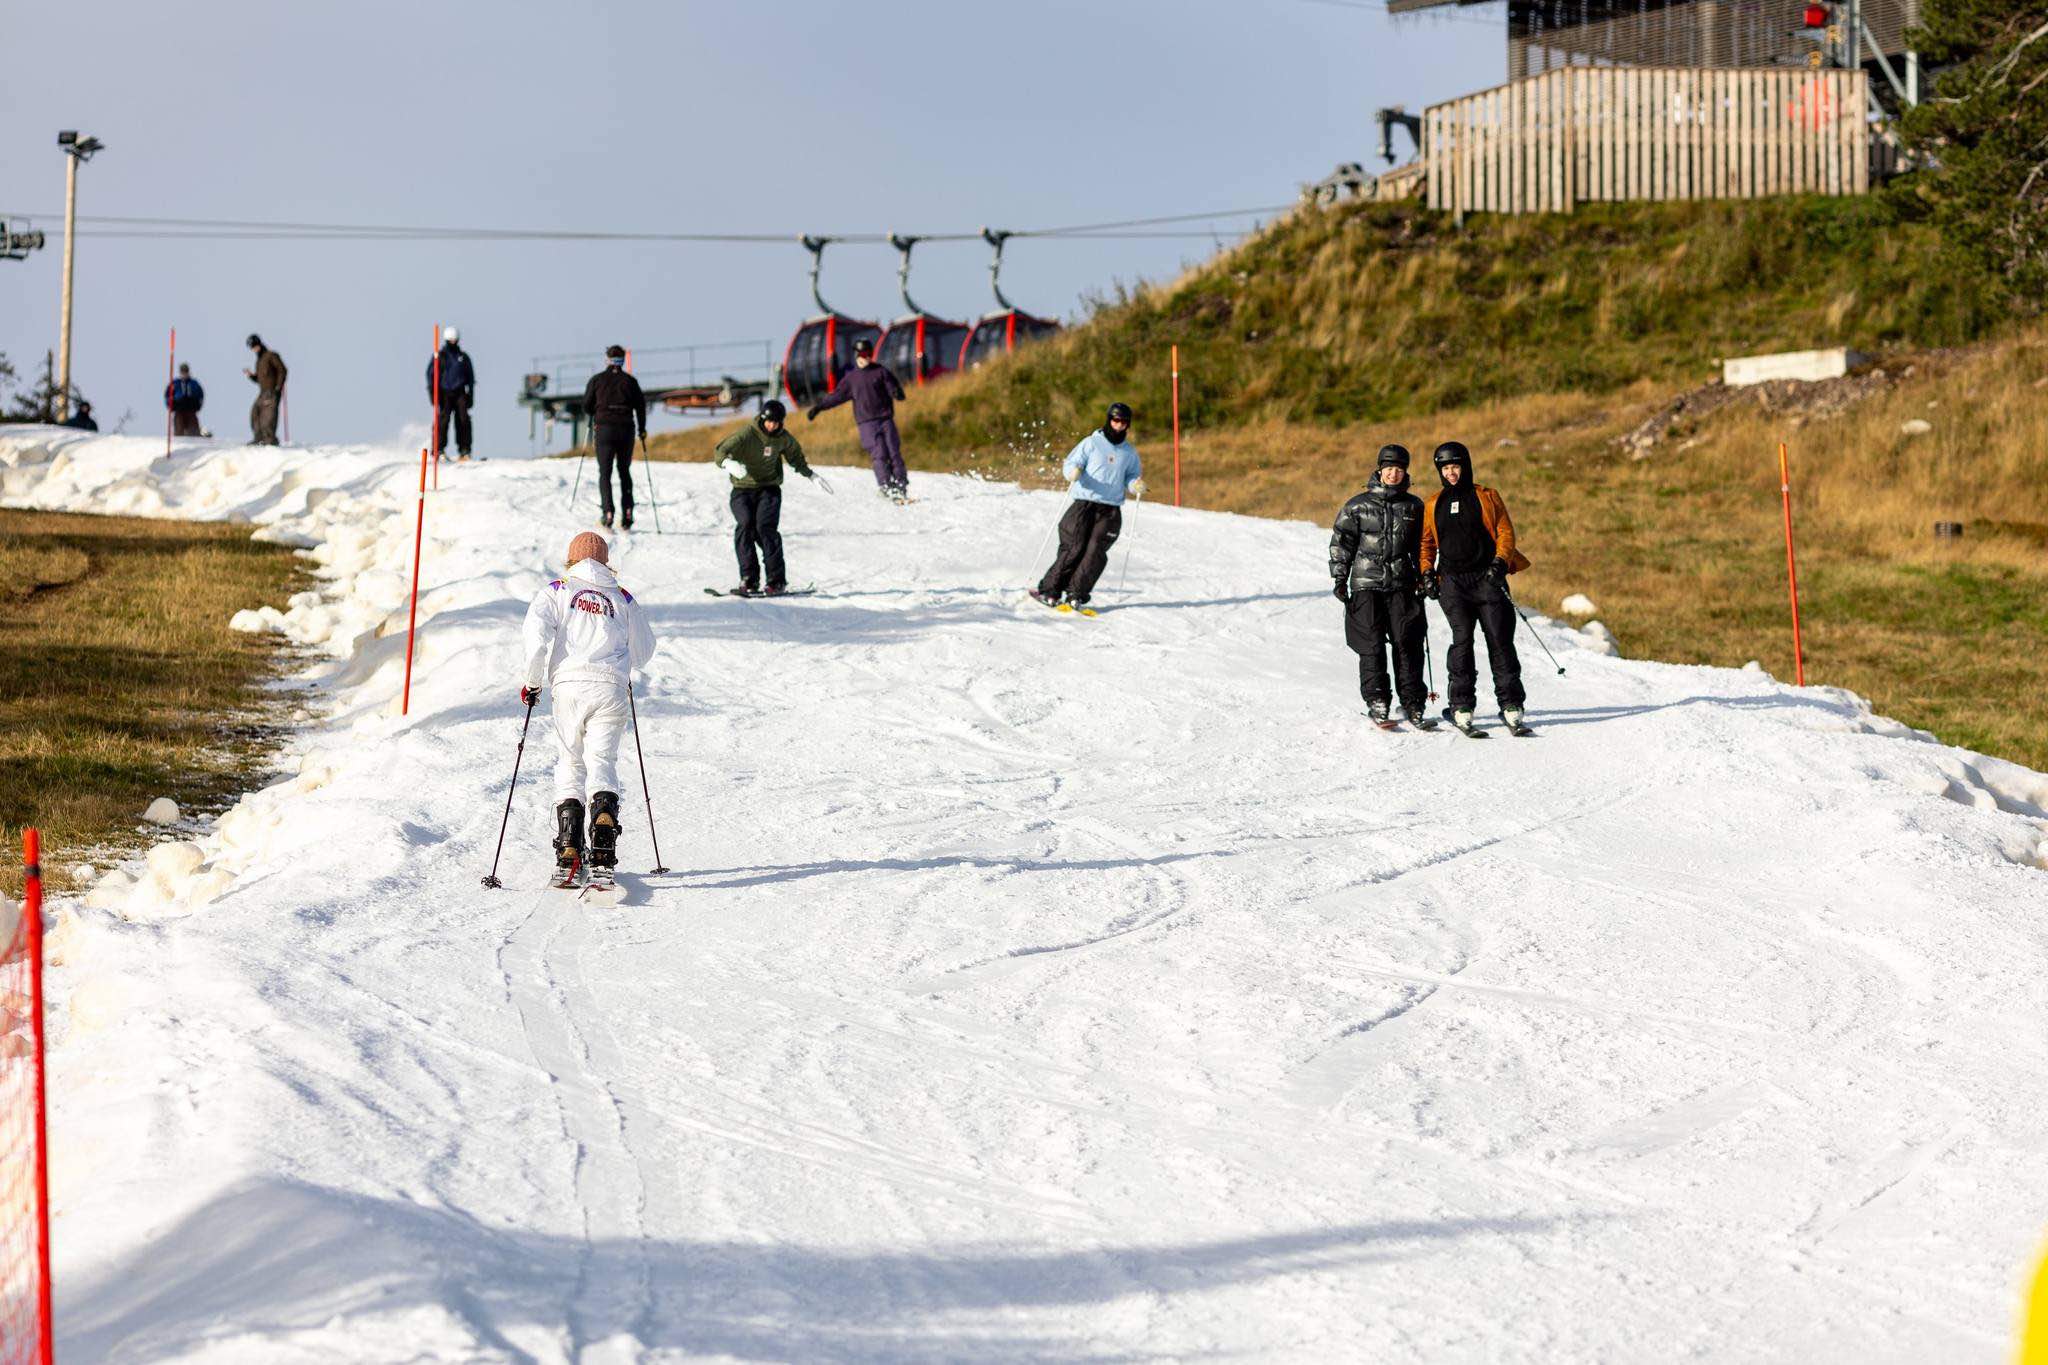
(32, 918)
(1176, 426)
(170, 378)
(1791, 565)
(419, 532)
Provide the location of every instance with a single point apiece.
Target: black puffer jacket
(1377, 544)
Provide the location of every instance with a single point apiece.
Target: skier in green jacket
(753, 457)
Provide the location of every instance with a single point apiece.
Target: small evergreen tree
(1984, 131)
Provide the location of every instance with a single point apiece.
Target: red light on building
(1816, 16)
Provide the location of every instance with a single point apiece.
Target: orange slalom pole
(32, 918)
(412, 618)
(1791, 565)
(1176, 426)
(170, 378)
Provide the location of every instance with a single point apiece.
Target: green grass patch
(120, 680)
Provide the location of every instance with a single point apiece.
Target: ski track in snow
(1028, 987)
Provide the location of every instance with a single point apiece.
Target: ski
(1521, 731)
(602, 889)
(1468, 731)
(732, 592)
(568, 878)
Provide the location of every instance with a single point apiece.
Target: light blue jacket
(1100, 470)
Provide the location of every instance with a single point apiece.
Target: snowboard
(808, 590)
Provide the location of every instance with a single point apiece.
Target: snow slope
(1033, 987)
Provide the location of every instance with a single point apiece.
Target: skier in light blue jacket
(1105, 469)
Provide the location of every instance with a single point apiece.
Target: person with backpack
(1104, 468)
(752, 458)
(81, 418)
(584, 636)
(185, 398)
(874, 390)
(268, 377)
(616, 407)
(1376, 565)
(1468, 551)
(451, 388)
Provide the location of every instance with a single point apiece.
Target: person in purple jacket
(873, 391)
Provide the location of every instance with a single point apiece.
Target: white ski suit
(584, 637)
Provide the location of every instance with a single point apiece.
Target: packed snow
(1028, 986)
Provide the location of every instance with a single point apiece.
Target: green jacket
(763, 455)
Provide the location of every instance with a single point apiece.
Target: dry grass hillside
(1307, 348)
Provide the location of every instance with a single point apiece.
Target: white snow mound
(1029, 986)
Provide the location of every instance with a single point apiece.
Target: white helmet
(450, 334)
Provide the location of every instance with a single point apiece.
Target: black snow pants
(1373, 622)
(1475, 598)
(454, 404)
(1086, 533)
(615, 448)
(263, 417)
(757, 520)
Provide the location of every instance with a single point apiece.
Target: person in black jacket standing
(1376, 572)
(874, 391)
(616, 408)
(455, 377)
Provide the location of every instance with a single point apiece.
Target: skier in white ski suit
(585, 635)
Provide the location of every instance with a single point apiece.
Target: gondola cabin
(820, 352)
(920, 348)
(999, 333)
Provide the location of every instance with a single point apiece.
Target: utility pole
(76, 150)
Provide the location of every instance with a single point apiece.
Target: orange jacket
(1493, 512)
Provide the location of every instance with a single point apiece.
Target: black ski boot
(568, 841)
(1380, 712)
(1414, 716)
(626, 519)
(604, 833)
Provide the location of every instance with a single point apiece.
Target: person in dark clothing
(753, 458)
(184, 398)
(451, 388)
(616, 408)
(1468, 551)
(268, 377)
(873, 389)
(1376, 569)
(1105, 469)
(82, 418)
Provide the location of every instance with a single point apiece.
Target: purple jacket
(873, 391)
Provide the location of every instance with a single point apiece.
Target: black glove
(1429, 585)
(811, 413)
(529, 695)
(1341, 590)
(1499, 570)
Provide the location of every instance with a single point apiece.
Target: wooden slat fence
(1551, 142)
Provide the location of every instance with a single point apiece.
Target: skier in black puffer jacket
(1376, 571)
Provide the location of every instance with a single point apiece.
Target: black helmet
(1453, 452)
(614, 352)
(253, 340)
(1393, 455)
(1119, 412)
(773, 411)
(865, 346)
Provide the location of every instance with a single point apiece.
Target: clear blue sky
(920, 115)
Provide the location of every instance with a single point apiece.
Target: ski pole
(579, 479)
(491, 878)
(654, 498)
(1428, 664)
(819, 479)
(1532, 628)
(1037, 553)
(1125, 572)
(644, 792)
